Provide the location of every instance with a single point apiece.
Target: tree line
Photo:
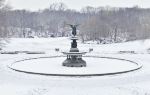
(97, 24)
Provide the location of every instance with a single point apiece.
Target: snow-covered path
(134, 83)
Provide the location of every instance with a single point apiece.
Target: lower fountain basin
(96, 66)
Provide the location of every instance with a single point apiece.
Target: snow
(36, 44)
(54, 66)
(49, 44)
(138, 46)
(15, 83)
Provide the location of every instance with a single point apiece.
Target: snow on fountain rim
(56, 69)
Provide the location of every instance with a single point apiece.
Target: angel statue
(74, 29)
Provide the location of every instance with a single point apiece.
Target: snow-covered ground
(133, 83)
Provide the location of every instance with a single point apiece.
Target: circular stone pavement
(96, 66)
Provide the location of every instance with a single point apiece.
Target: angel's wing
(76, 25)
(70, 25)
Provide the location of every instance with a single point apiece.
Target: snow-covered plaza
(18, 83)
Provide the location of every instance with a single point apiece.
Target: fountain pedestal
(74, 57)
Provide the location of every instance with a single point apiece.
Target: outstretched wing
(77, 25)
(70, 25)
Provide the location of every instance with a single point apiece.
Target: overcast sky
(76, 4)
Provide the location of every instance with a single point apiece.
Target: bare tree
(102, 23)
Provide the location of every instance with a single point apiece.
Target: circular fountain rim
(138, 66)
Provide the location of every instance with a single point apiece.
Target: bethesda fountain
(74, 56)
(70, 64)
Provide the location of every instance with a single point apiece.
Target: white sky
(76, 4)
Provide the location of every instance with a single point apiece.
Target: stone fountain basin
(96, 66)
